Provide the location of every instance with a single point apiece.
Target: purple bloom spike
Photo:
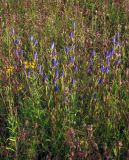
(35, 55)
(56, 74)
(54, 62)
(113, 40)
(21, 52)
(71, 35)
(40, 69)
(93, 53)
(102, 68)
(35, 42)
(75, 68)
(28, 74)
(45, 77)
(106, 70)
(71, 59)
(16, 52)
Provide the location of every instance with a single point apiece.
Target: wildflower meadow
(64, 80)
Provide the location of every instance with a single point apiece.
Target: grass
(64, 90)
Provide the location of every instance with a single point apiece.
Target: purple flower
(16, 42)
(118, 61)
(66, 50)
(16, 52)
(106, 70)
(102, 68)
(95, 96)
(35, 55)
(118, 35)
(56, 74)
(71, 35)
(56, 88)
(110, 53)
(35, 42)
(71, 59)
(45, 77)
(72, 82)
(93, 53)
(108, 61)
(113, 40)
(75, 68)
(54, 62)
(100, 81)
(28, 74)
(62, 74)
(21, 52)
(40, 69)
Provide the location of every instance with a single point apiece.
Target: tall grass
(64, 90)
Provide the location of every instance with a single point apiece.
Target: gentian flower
(75, 68)
(35, 56)
(28, 74)
(113, 40)
(16, 52)
(16, 42)
(56, 88)
(54, 62)
(56, 74)
(40, 69)
(100, 81)
(71, 35)
(45, 77)
(21, 52)
(66, 50)
(106, 70)
(93, 53)
(35, 42)
(102, 68)
(71, 59)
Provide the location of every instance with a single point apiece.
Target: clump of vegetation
(64, 73)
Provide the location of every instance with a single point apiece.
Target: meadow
(64, 80)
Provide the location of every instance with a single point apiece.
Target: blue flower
(35, 42)
(100, 81)
(113, 40)
(93, 53)
(71, 35)
(95, 96)
(16, 52)
(75, 68)
(16, 42)
(102, 68)
(106, 70)
(54, 62)
(56, 88)
(71, 59)
(28, 74)
(45, 77)
(56, 74)
(72, 82)
(40, 69)
(21, 52)
(35, 55)
(66, 50)
(118, 61)
(62, 74)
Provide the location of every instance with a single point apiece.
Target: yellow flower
(9, 70)
(82, 142)
(20, 87)
(30, 64)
